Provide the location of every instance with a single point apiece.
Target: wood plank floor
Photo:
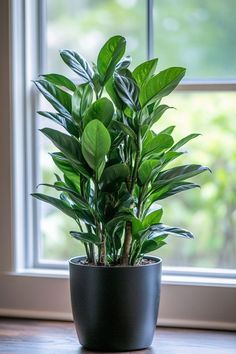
(54, 337)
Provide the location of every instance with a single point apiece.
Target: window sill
(170, 279)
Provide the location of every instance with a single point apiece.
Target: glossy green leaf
(65, 166)
(96, 143)
(73, 194)
(137, 228)
(144, 71)
(177, 188)
(157, 114)
(60, 80)
(180, 173)
(63, 120)
(161, 85)
(81, 100)
(113, 174)
(151, 245)
(124, 63)
(169, 130)
(102, 109)
(58, 98)
(120, 217)
(184, 141)
(146, 169)
(109, 56)
(161, 229)
(153, 217)
(59, 204)
(113, 94)
(127, 90)
(170, 156)
(158, 144)
(78, 64)
(68, 145)
(86, 237)
(124, 128)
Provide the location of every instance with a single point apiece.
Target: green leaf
(119, 218)
(124, 128)
(177, 188)
(64, 165)
(127, 90)
(60, 80)
(146, 168)
(86, 237)
(183, 141)
(151, 245)
(137, 228)
(180, 173)
(67, 144)
(113, 174)
(102, 109)
(156, 114)
(109, 56)
(58, 98)
(59, 204)
(113, 94)
(168, 130)
(78, 64)
(161, 229)
(144, 71)
(161, 85)
(153, 218)
(81, 100)
(96, 143)
(170, 156)
(124, 63)
(63, 120)
(158, 144)
(73, 194)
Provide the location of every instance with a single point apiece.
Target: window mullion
(150, 29)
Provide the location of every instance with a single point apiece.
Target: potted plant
(114, 170)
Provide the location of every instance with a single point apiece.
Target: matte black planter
(115, 308)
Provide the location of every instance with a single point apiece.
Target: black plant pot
(115, 308)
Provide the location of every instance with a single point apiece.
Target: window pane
(209, 212)
(82, 26)
(85, 25)
(197, 34)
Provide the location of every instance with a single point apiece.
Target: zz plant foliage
(114, 167)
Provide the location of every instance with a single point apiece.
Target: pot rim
(157, 260)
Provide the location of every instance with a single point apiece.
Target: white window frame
(190, 297)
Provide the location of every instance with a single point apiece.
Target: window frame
(44, 287)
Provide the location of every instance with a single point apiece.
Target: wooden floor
(53, 337)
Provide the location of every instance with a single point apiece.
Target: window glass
(210, 212)
(197, 34)
(84, 26)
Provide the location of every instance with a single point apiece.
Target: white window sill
(170, 279)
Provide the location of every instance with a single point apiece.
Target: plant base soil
(144, 261)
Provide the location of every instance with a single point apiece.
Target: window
(177, 38)
(200, 273)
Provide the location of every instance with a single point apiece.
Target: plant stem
(87, 251)
(137, 160)
(91, 248)
(128, 227)
(127, 243)
(102, 248)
